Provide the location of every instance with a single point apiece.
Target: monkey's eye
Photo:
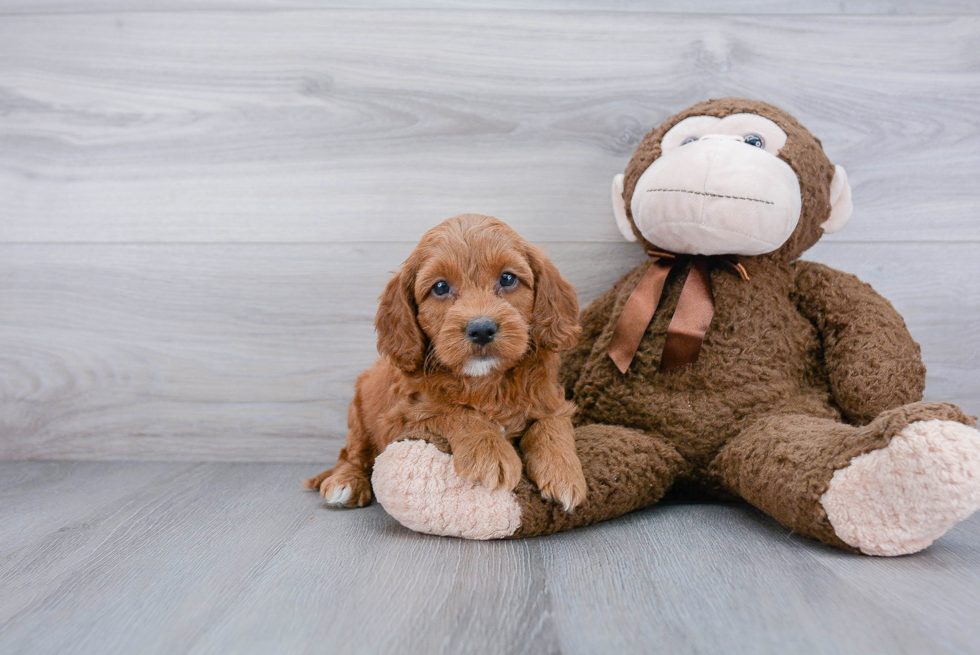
(755, 140)
(507, 280)
(690, 139)
(440, 288)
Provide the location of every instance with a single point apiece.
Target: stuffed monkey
(728, 364)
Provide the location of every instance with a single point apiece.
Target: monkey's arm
(593, 319)
(872, 361)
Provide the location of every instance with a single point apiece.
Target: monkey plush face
(730, 177)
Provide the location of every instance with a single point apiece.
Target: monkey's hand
(873, 363)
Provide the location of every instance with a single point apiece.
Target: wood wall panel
(749, 7)
(198, 205)
(343, 125)
(250, 351)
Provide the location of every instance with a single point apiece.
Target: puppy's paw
(489, 460)
(346, 489)
(315, 482)
(559, 476)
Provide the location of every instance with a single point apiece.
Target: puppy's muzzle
(481, 330)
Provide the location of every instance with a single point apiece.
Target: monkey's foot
(899, 499)
(418, 486)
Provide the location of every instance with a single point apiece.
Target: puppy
(470, 329)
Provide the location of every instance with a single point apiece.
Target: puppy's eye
(755, 140)
(440, 288)
(690, 139)
(507, 280)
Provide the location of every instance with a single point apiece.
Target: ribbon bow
(688, 325)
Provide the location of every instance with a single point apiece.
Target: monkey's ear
(400, 338)
(555, 314)
(840, 201)
(619, 209)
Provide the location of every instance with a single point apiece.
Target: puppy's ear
(400, 338)
(555, 314)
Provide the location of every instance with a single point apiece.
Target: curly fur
(432, 380)
(803, 370)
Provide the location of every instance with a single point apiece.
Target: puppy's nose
(481, 330)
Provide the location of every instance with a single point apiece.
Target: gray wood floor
(123, 557)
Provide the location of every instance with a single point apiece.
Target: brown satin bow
(695, 309)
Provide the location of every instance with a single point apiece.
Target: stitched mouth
(713, 195)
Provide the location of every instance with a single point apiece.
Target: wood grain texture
(198, 208)
(200, 201)
(249, 352)
(749, 7)
(236, 558)
(931, 576)
(344, 125)
(710, 576)
(196, 352)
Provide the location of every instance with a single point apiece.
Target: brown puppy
(470, 329)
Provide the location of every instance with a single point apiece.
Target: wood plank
(76, 489)
(811, 7)
(150, 567)
(237, 558)
(356, 581)
(249, 352)
(600, 588)
(344, 125)
(921, 584)
(229, 524)
(718, 578)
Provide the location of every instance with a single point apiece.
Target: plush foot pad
(417, 485)
(901, 498)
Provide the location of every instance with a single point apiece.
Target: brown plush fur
(802, 369)
(419, 385)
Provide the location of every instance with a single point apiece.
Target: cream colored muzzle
(717, 196)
